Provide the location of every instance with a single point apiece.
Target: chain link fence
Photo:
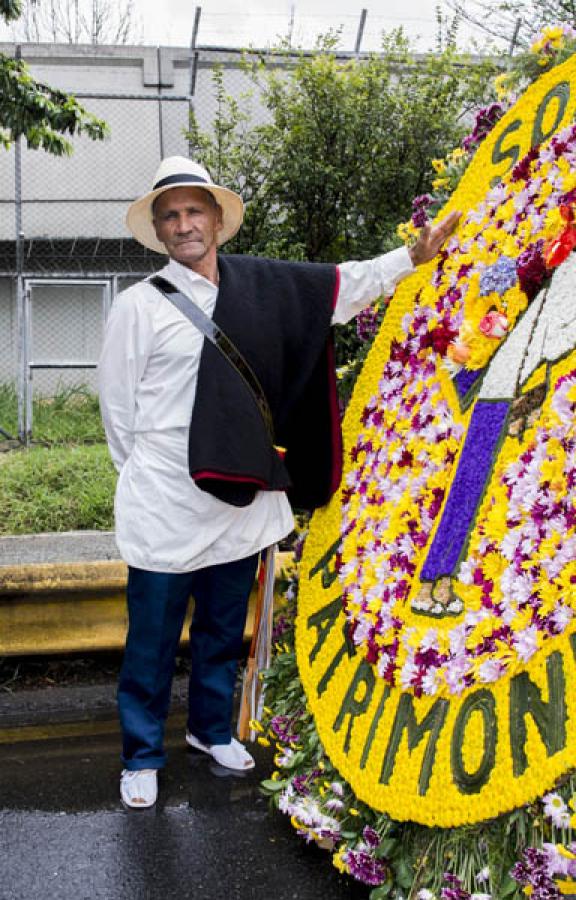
(64, 249)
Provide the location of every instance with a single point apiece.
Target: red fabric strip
(336, 289)
(205, 473)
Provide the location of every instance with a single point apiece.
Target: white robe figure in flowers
(545, 333)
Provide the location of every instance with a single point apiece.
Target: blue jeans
(157, 604)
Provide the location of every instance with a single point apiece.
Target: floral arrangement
(531, 852)
(468, 648)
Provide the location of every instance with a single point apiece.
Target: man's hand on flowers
(432, 237)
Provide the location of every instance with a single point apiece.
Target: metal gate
(61, 327)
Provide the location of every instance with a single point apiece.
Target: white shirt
(147, 379)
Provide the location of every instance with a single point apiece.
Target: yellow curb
(59, 730)
(52, 608)
(105, 575)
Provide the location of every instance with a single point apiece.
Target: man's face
(187, 221)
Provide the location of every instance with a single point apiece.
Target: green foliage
(66, 480)
(71, 416)
(56, 489)
(346, 146)
(515, 20)
(42, 115)
(10, 9)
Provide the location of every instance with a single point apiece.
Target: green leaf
(272, 787)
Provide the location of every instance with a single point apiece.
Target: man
(202, 486)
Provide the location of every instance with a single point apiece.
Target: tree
(42, 115)
(79, 21)
(347, 147)
(516, 21)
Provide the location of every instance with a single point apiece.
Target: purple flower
(367, 323)
(521, 170)
(365, 868)
(456, 891)
(419, 207)
(486, 119)
(534, 871)
(531, 269)
(371, 837)
(499, 277)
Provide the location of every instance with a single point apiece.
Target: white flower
(509, 544)
(556, 810)
(429, 640)
(490, 670)
(562, 616)
(466, 571)
(483, 874)
(409, 672)
(430, 683)
(526, 642)
(425, 894)
(557, 863)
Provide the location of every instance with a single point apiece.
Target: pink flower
(494, 325)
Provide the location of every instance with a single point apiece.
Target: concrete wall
(86, 194)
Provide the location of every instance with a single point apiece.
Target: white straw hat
(177, 171)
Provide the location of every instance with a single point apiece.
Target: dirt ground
(29, 672)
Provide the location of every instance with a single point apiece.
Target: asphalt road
(212, 836)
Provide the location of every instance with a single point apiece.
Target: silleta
(360, 700)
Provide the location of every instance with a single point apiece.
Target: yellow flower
(494, 565)
(338, 860)
(255, 725)
(553, 223)
(439, 183)
(501, 85)
(457, 155)
(439, 166)
(407, 231)
(564, 851)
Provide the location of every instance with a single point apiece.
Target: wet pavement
(212, 836)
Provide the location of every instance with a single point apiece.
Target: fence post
(514, 36)
(194, 56)
(360, 33)
(22, 380)
(160, 121)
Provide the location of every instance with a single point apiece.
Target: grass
(70, 416)
(65, 480)
(56, 489)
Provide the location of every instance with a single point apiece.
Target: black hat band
(178, 179)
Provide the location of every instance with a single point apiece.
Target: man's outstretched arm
(362, 282)
(432, 237)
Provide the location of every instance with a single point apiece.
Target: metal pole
(514, 36)
(160, 123)
(193, 52)
(194, 56)
(195, 27)
(360, 33)
(22, 381)
(291, 25)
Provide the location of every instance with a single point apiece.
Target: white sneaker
(232, 756)
(139, 788)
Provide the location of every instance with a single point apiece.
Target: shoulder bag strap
(221, 341)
